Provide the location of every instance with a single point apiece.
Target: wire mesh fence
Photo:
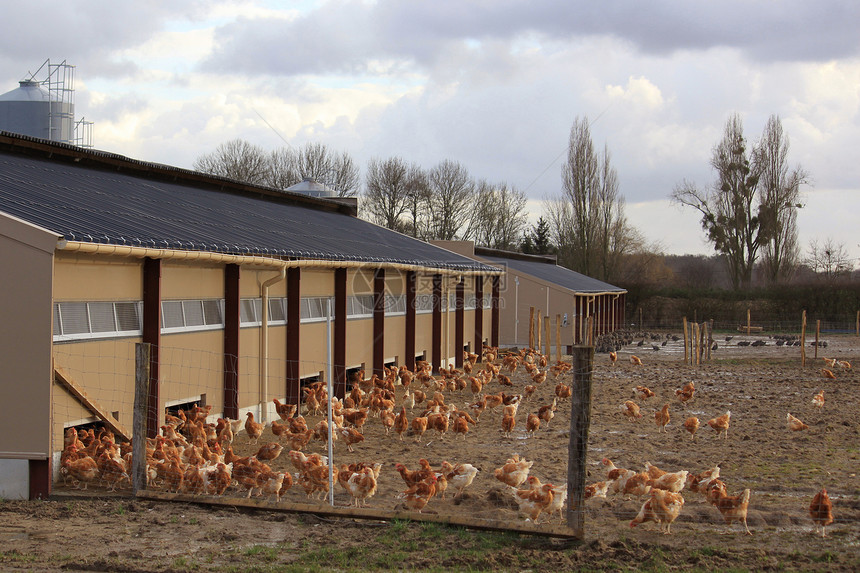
(514, 423)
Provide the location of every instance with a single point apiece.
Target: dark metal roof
(555, 274)
(89, 201)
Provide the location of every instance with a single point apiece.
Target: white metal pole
(516, 310)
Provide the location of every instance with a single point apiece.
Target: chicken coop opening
(185, 406)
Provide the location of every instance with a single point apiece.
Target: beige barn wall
(359, 343)
(395, 339)
(79, 277)
(27, 253)
(191, 364)
(105, 369)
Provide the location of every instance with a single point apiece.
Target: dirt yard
(759, 385)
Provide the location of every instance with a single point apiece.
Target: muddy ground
(759, 385)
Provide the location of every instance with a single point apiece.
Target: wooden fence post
(803, 340)
(686, 346)
(141, 404)
(748, 322)
(531, 327)
(817, 335)
(577, 448)
(537, 330)
(558, 338)
(857, 324)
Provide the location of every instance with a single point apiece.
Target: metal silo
(43, 108)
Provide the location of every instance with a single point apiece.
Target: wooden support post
(537, 330)
(641, 326)
(857, 324)
(558, 338)
(686, 344)
(817, 335)
(803, 340)
(748, 322)
(141, 403)
(531, 327)
(577, 448)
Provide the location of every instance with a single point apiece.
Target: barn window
(191, 315)
(359, 306)
(97, 319)
(395, 304)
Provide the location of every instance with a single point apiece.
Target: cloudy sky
(495, 85)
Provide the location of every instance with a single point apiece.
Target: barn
(245, 294)
(536, 283)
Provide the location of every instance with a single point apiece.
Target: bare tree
(830, 260)
(452, 193)
(498, 217)
(336, 170)
(389, 187)
(283, 167)
(418, 207)
(238, 160)
(752, 205)
(587, 221)
(780, 189)
(731, 210)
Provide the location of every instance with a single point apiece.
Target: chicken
(612, 472)
(269, 452)
(637, 484)
(532, 502)
(253, 429)
(613, 357)
(685, 394)
(82, 470)
(362, 485)
(691, 424)
(631, 410)
(401, 422)
(844, 364)
(411, 477)
(662, 508)
(559, 496)
(532, 424)
(828, 373)
(700, 482)
(172, 473)
(350, 436)
(285, 411)
(733, 507)
(461, 426)
(298, 440)
(818, 400)
(671, 481)
(271, 483)
(644, 392)
(387, 418)
(419, 494)
(546, 413)
(597, 489)
(439, 422)
(356, 417)
(821, 511)
(419, 426)
(635, 360)
(540, 377)
(563, 391)
(459, 476)
(218, 478)
(721, 423)
(509, 422)
(653, 471)
(112, 470)
(515, 472)
(662, 417)
(794, 424)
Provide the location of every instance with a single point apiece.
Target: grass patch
(15, 556)
(263, 551)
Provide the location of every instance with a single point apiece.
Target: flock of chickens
(195, 456)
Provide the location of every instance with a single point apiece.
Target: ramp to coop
(77, 390)
(545, 530)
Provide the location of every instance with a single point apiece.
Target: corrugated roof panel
(561, 276)
(84, 204)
